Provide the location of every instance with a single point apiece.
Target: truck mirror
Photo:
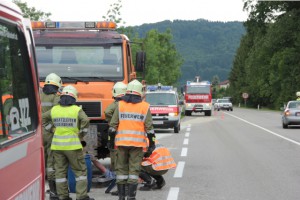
(140, 61)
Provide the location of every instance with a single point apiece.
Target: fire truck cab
(198, 97)
(92, 56)
(165, 106)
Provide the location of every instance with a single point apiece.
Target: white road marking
(186, 141)
(188, 129)
(173, 193)
(285, 138)
(187, 134)
(184, 151)
(179, 169)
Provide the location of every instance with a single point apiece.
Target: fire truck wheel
(208, 113)
(187, 113)
(177, 128)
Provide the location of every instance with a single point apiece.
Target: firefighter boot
(149, 182)
(53, 192)
(116, 193)
(160, 182)
(87, 198)
(121, 191)
(132, 191)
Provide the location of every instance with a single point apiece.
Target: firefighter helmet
(53, 79)
(70, 91)
(119, 89)
(135, 87)
(298, 94)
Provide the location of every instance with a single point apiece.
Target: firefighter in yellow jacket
(71, 125)
(49, 98)
(130, 125)
(154, 166)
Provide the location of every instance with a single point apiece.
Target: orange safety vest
(131, 129)
(4, 98)
(160, 159)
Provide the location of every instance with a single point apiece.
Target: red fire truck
(198, 97)
(21, 148)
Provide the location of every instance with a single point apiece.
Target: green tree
(114, 14)
(31, 12)
(163, 61)
(215, 84)
(267, 62)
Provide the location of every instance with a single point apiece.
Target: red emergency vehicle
(165, 106)
(198, 97)
(21, 148)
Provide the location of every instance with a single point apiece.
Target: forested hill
(208, 48)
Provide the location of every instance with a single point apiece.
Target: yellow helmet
(119, 89)
(298, 94)
(53, 79)
(70, 91)
(135, 87)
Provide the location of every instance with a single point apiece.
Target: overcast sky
(138, 12)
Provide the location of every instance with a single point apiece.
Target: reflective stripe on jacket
(5, 125)
(131, 129)
(65, 119)
(160, 159)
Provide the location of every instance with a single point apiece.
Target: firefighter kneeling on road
(130, 125)
(154, 166)
(71, 125)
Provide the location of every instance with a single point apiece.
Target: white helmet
(70, 91)
(298, 94)
(119, 89)
(53, 79)
(135, 87)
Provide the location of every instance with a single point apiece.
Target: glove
(149, 151)
(83, 143)
(151, 138)
(111, 138)
(109, 174)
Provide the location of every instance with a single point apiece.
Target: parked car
(291, 114)
(223, 104)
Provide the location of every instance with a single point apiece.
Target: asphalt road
(233, 155)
